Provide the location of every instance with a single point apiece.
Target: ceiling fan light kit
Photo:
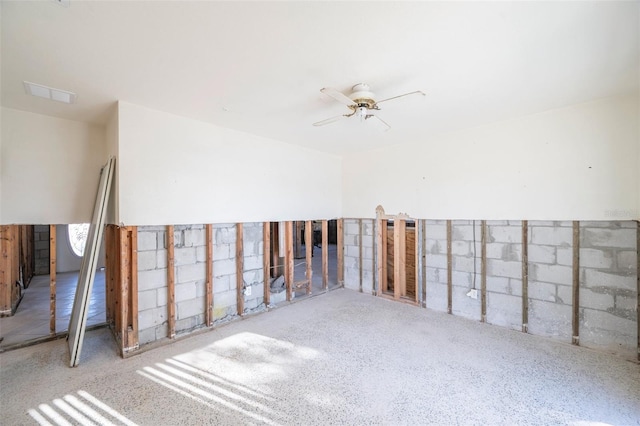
(361, 102)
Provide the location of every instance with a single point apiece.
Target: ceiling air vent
(49, 93)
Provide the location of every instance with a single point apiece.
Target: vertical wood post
(449, 270)
(638, 283)
(266, 261)
(380, 258)
(52, 278)
(111, 255)
(132, 330)
(240, 268)
(360, 265)
(423, 224)
(171, 283)
(275, 254)
(384, 272)
(208, 309)
(288, 257)
(308, 251)
(125, 264)
(525, 276)
(340, 250)
(325, 255)
(483, 271)
(575, 322)
(399, 259)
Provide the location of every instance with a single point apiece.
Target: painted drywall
(574, 163)
(111, 142)
(50, 168)
(175, 170)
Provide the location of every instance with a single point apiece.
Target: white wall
(50, 168)
(175, 170)
(111, 145)
(574, 163)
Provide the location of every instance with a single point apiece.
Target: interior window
(78, 237)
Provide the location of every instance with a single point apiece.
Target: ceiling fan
(361, 102)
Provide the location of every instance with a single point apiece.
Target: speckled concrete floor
(339, 358)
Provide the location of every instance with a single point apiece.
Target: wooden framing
(525, 276)
(483, 271)
(208, 309)
(638, 281)
(308, 251)
(7, 269)
(171, 284)
(575, 318)
(449, 270)
(360, 268)
(266, 261)
(381, 227)
(340, 250)
(112, 265)
(240, 268)
(275, 253)
(52, 278)
(325, 255)
(423, 263)
(288, 258)
(399, 258)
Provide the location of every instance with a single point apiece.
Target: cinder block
(147, 300)
(147, 336)
(368, 253)
(436, 261)
(147, 241)
(190, 308)
(627, 261)
(225, 234)
(351, 227)
(161, 259)
(221, 252)
(188, 324)
(465, 232)
(626, 303)
(597, 319)
(564, 256)
(596, 258)
(185, 291)
(162, 295)
(460, 248)
(437, 297)
(515, 286)
(461, 279)
(504, 310)
(156, 278)
(463, 305)
(41, 245)
(200, 288)
(434, 247)
(224, 299)
(542, 254)
(556, 274)
(498, 285)
(146, 260)
(184, 256)
(224, 267)
(556, 236)
(466, 264)
(596, 278)
(592, 300)
(615, 238)
(352, 251)
(505, 234)
(222, 284)
(550, 319)
(497, 223)
(193, 272)
(500, 268)
(201, 254)
(151, 318)
(495, 250)
(542, 291)
(252, 263)
(432, 275)
(436, 231)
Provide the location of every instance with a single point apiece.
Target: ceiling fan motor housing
(362, 96)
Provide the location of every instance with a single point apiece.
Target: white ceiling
(258, 66)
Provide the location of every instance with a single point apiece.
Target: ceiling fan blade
(378, 122)
(417, 92)
(330, 120)
(338, 96)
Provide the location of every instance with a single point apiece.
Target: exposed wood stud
(360, 268)
(325, 255)
(449, 270)
(110, 276)
(638, 282)
(275, 254)
(340, 250)
(266, 261)
(374, 237)
(576, 284)
(288, 258)
(52, 278)
(380, 259)
(423, 224)
(399, 259)
(525, 276)
(384, 256)
(240, 268)
(132, 341)
(123, 273)
(483, 271)
(208, 311)
(416, 262)
(171, 283)
(308, 251)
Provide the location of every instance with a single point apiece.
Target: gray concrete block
(151, 318)
(161, 259)
(190, 308)
(556, 274)
(436, 261)
(627, 261)
(225, 234)
(185, 292)
(461, 279)
(596, 278)
(184, 256)
(437, 297)
(200, 288)
(603, 330)
(193, 272)
(222, 252)
(500, 268)
(436, 231)
(156, 278)
(222, 284)
(41, 245)
(252, 262)
(432, 275)
(593, 300)
(564, 256)
(556, 236)
(550, 319)
(201, 254)
(515, 287)
(465, 232)
(351, 227)
(615, 238)
(463, 305)
(626, 303)
(224, 267)
(352, 279)
(466, 264)
(460, 248)
(504, 310)
(162, 296)
(505, 234)
(368, 253)
(496, 250)
(146, 260)
(435, 247)
(352, 251)
(147, 300)
(147, 241)
(596, 258)
(497, 223)
(498, 285)
(542, 291)
(564, 294)
(188, 324)
(147, 336)
(225, 299)
(542, 254)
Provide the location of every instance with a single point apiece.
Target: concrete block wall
(190, 276)
(41, 249)
(436, 264)
(504, 273)
(608, 285)
(352, 261)
(466, 267)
